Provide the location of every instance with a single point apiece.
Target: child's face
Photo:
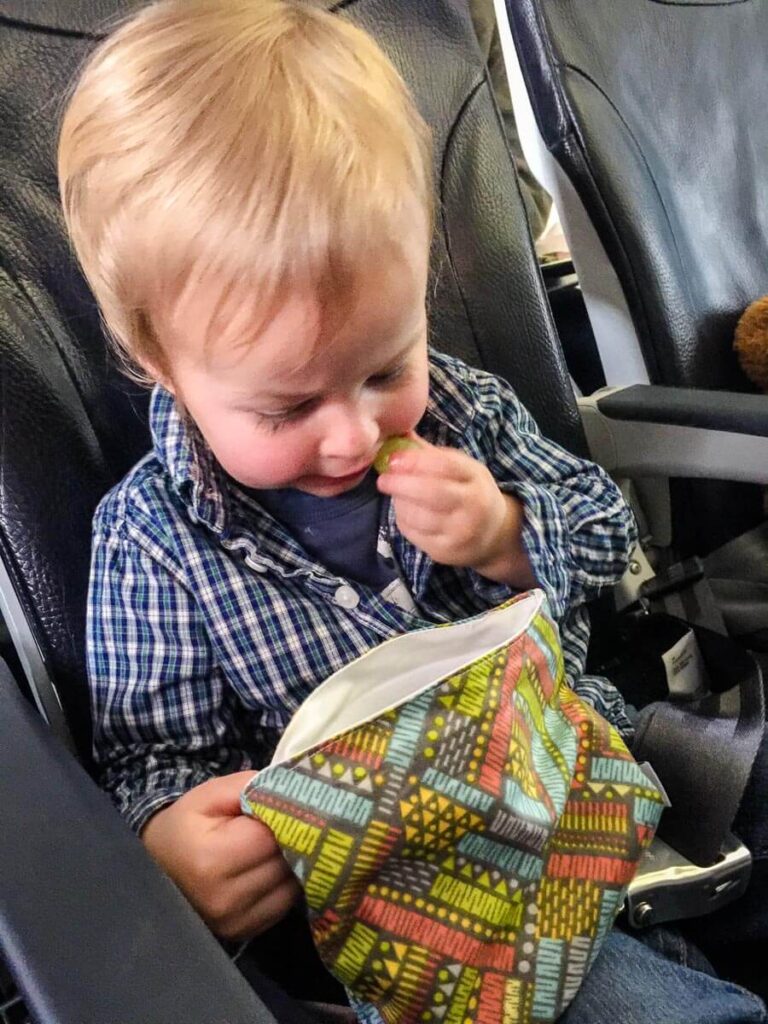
(296, 408)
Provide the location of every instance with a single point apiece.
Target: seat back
(655, 112)
(650, 114)
(71, 426)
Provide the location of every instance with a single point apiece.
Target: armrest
(644, 430)
(557, 270)
(90, 929)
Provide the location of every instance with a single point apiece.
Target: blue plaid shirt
(208, 624)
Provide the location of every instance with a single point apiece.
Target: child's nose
(351, 433)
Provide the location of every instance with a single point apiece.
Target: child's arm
(165, 725)
(564, 513)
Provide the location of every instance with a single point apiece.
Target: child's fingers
(219, 797)
(418, 523)
(258, 881)
(244, 843)
(266, 912)
(255, 912)
(222, 898)
(430, 460)
(435, 493)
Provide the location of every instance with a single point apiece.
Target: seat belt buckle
(677, 577)
(668, 887)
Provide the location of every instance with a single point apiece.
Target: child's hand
(227, 865)
(449, 505)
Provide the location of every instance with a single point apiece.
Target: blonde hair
(264, 143)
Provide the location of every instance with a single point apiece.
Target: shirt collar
(448, 403)
(195, 474)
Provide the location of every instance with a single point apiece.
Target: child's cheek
(408, 406)
(270, 460)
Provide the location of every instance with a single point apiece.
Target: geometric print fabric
(463, 856)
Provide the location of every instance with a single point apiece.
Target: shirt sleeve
(578, 531)
(163, 715)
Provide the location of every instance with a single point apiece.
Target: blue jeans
(658, 979)
(661, 979)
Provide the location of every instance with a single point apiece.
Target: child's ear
(148, 351)
(157, 371)
(156, 376)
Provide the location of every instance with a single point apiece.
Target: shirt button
(347, 597)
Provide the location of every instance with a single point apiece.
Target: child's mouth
(339, 483)
(348, 477)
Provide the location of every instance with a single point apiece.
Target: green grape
(390, 446)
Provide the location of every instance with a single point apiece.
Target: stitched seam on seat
(563, 108)
(34, 26)
(683, 275)
(446, 234)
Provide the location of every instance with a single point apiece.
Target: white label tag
(684, 665)
(653, 778)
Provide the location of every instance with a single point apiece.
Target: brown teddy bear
(751, 343)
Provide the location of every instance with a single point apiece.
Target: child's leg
(630, 983)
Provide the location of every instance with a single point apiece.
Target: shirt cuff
(607, 702)
(138, 805)
(138, 813)
(545, 538)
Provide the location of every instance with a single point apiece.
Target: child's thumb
(220, 797)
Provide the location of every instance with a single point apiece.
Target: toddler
(247, 185)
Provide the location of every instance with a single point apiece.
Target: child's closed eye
(382, 380)
(273, 421)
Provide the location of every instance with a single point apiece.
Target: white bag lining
(386, 677)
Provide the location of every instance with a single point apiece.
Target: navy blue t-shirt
(343, 532)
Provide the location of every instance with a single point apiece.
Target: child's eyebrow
(291, 396)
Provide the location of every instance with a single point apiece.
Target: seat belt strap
(683, 592)
(703, 748)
